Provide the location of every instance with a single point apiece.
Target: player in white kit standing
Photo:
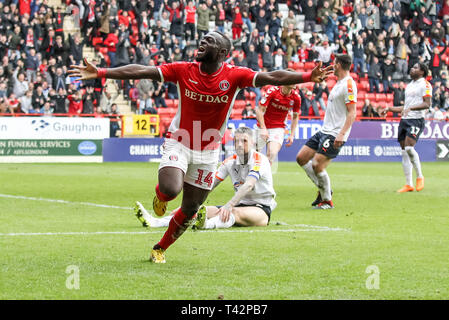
(418, 99)
(319, 150)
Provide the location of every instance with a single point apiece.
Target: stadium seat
(361, 95)
(390, 98)
(371, 97)
(381, 97)
(360, 104)
(308, 66)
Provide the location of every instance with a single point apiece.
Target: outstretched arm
(283, 77)
(131, 71)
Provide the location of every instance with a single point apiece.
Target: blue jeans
(359, 62)
(373, 85)
(248, 24)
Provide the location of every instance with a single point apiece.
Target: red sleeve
(267, 97)
(245, 77)
(297, 105)
(171, 71)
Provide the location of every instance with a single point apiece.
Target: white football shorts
(199, 166)
(274, 135)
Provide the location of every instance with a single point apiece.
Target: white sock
(414, 158)
(216, 222)
(308, 168)
(407, 166)
(158, 222)
(324, 185)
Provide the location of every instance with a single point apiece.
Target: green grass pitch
(310, 254)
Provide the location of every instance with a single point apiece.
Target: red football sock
(162, 196)
(178, 224)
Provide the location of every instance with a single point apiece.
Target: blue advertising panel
(144, 150)
(367, 150)
(132, 149)
(360, 129)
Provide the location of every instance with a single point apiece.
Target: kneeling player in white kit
(253, 201)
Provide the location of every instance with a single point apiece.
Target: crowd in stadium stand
(385, 39)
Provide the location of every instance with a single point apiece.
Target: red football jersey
(205, 101)
(278, 105)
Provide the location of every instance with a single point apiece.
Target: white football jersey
(259, 167)
(415, 93)
(343, 93)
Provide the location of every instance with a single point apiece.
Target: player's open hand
(87, 72)
(225, 212)
(320, 74)
(338, 142)
(289, 141)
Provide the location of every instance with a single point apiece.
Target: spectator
(248, 112)
(267, 58)
(325, 52)
(309, 10)
(359, 56)
(274, 27)
(159, 95)
(114, 124)
(279, 60)
(190, 12)
(437, 114)
(89, 101)
(368, 111)
(318, 90)
(20, 83)
(290, 20)
(13, 104)
(107, 98)
(26, 102)
(59, 99)
(75, 103)
(203, 19)
(307, 103)
(46, 110)
(146, 91)
(387, 70)
(374, 74)
(402, 52)
(237, 24)
(399, 96)
(323, 14)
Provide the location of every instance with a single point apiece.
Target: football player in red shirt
(208, 88)
(271, 117)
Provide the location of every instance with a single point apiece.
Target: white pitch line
(162, 231)
(305, 226)
(64, 201)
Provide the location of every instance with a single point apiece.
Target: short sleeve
(222, 171)
(427, 90)
(245, 77)
(351, 92)
(255, 170)
(171, 71)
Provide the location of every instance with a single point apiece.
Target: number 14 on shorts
(202, 178)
